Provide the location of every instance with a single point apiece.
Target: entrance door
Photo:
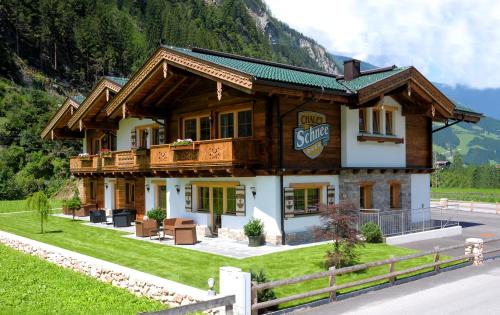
(217, 208)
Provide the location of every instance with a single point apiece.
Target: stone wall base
(303, 237)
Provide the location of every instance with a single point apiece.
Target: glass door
(218, 206)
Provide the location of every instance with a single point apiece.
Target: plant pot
(255, 241)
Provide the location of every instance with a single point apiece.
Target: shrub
(39, 203)
(157, 214)
(74, 204)
(254, 227)
(263, 295)
(372, 233)
(343, 256)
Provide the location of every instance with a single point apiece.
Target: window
(204, 198)
(236, 124)
(204, 128)
(395, 195)
(307, 199)
(245, 123)
(362, 121)
(93, 190)
(190, 129)
(143, 138)
(129, 193)
(197, 128)
(376, 120)
(217, 197)
(155, 136)
(389, 116)
(162, 197)
(365, 196)
(227, 125)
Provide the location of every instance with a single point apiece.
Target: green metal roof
(460, 107)
(118, 80)
(267, 71)
(78, 98)
(368, 79)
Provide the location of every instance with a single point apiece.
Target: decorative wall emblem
(312, 134)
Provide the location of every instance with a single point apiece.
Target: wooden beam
(108, 125)
(164, 97)
(146, 99)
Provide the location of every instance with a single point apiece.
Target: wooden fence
(226, 301)
(332, 274)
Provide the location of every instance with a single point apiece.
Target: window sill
(304, 214)
(202, 211)
(379, 138)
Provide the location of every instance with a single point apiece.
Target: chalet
(221, 138)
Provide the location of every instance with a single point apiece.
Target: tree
(39, 203)
(339, 223)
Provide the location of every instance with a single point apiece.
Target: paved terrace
(211, 245)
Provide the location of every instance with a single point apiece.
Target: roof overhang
(59, 120)
(101, 90)
(164, 58)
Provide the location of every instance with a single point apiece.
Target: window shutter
(330, 193)
(161, 135)
(240, 200)
(289, 203)
(133, 138)
(188, 197)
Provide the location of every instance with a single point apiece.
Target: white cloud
(450, 41)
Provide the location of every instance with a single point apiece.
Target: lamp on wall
(147, 187)
(106, 186)
(253, 190)
(178, 188)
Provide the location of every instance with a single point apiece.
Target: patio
(211, 245)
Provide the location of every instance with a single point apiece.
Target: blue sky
(453, 42)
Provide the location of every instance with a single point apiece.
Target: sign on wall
(312, 134)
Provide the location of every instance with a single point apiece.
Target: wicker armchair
(145, 228)
(170, 224)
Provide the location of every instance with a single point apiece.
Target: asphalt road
(468, 290)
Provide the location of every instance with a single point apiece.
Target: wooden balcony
(205, 155)
(132, 160)
(85, 164)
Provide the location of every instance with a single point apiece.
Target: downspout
(281, 170)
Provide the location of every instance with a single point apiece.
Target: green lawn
(7, 206)
(467, 194)
(188, 266)
(30, 285)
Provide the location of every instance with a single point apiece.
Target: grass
(8, 206)
(192, 267)
(467, 194)
(30, 285)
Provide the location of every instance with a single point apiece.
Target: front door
(217, 208)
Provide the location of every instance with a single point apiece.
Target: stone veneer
(239, 235)
(350, 182)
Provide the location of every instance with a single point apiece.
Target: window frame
(306, 187)
(210, 186)
(158, 195)
(129, 193)
(391, 112)
(365, 120)
(366, 194)
(395, 196)
(197, 119)
(93, 190)
(235, 113)
(376, 121)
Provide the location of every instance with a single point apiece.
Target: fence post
(436, 259)
(333, 294)
(423, 221)
(402, 224)
(392, 269)
(254, 297)
(233, 281)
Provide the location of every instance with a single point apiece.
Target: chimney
(352, 69)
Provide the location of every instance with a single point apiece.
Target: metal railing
(399, 222)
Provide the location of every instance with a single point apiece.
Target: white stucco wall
(124, 129)
(304, 223)
(420, 191)
(84, 142)
(264, 206)
(368, 153)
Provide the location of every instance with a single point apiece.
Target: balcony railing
(224, 152)
(126, 160)
(89, 163)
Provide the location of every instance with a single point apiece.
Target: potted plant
(105, 153)
(254, 230)
(84, 157)
(157, 214)
(139, 151)
(181, 143)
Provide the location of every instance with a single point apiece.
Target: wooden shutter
(240, 200)
(188, 197)
(133, 138)
(289, 202)
(330, 193)
(161, 135)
